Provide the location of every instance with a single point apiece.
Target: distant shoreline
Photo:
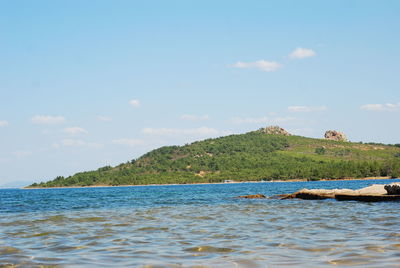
(204, 183)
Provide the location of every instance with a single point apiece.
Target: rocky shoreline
(373, 193)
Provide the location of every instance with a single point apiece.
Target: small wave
(209, 249)
(9, 250)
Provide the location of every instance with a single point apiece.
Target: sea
(196, 226)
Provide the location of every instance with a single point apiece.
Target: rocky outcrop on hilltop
(275, 130)
(335, 135)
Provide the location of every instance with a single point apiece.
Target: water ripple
(119, 227)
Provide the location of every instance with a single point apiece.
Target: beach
(209, 183)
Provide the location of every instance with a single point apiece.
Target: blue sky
(85, 84)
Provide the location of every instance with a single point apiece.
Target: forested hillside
(252, 156)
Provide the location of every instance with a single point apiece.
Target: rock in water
(335, 135)
(275, 130)
(315, 194)
(253, 196)
(373, 193)
(393, 189)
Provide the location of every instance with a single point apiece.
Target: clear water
(196, 226)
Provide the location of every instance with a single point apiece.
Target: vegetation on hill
(252, 156)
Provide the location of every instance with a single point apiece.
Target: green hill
(246, 157)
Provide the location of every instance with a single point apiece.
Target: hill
(252, 156)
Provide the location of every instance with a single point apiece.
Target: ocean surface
(196, 226)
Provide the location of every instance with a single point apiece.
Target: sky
(85, 84)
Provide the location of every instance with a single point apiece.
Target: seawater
(196, 226)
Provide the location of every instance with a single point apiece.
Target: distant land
(263, 155)
(14, 184)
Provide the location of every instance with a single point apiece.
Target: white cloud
(134, 103)
(302, 53)
(104, 118)
(263, 65)
(77, 143)
(75, 130)
(261, 120)
(47, 119)
(202, 131)
(195, 118)
(3, 123)
(307, 108)
(381, 107)
(21, 154)
(129, 142)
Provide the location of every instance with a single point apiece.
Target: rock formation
(276, 130)
(393, 188)
(253, 196)
(335, 135)
(373, 193)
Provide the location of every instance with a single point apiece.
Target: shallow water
(196, 226)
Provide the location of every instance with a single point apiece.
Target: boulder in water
(373, 193)
(253, 196)
(393, 188)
